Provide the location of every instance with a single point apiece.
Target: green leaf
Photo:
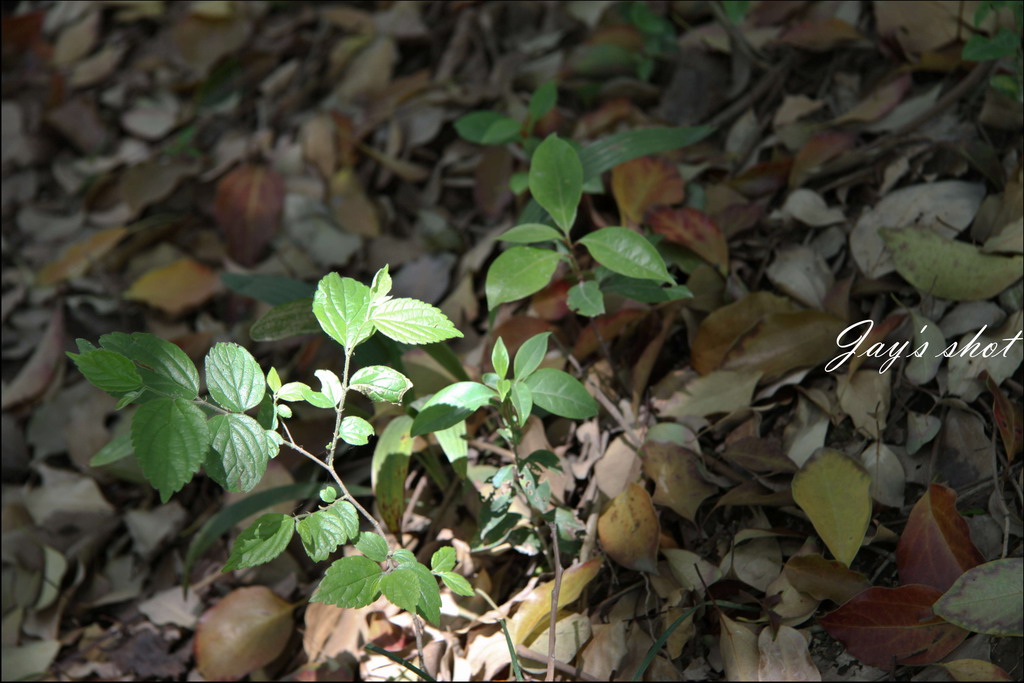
(586, 299)
(346, 512)
(530, 354)
(328, 494)
(403, 556)
(519, 272)
(381, 284)
(522, 401)
(286, 320)
(170, 437)
(239, 452)
(562, 394)
(389, 468)
(108, 370)
(556, 180)
(499, 358)
(487, 128)
(529, 233)
(164, 367)
(451, 405)
(429, 602)
(981, 48)
(626, 252)
(330, 386)
(453, 442)
(355, 430)
(458, 584)
(413, 322)
(322, 532)
(342, 307)
(647, 291)
(262, 542)
(273, 380)
(373, 546)
(987, 599)
(270, 289)
(349, 582)
(233, 377)
(118, 448)
(543, 100)
(443, 559)
(380, 383)
(447, 359)
(292, 391)
(402, 588)
(735, 10)
(316, 398)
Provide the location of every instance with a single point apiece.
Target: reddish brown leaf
(39, 371)
(490, 188)
(248, 209)
(694, 230)
(820, 35)
(515, 331)
(720, 330)
(762, 179)
(936, 547)
(1009, 419)
(825, 579)
(877, 334)
(610, 326)
(820, 149)
(886, 626)
(550, 302)
(643, 183)
(246, 630)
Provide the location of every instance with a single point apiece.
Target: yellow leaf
(628, 530)
(77, 258)
(538, 604)
(835, 492)
(175, 288)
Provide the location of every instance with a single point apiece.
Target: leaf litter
(732, 490)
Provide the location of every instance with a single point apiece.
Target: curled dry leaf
(246, 630)
(629, 530)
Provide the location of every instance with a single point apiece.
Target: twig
(417, 624)
(560, 666)
(556, 589)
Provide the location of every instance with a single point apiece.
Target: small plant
(175, 432)
(1004, 45)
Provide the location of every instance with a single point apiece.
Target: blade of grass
(371, 647)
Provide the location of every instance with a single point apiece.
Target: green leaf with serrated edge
(402, 588)
(586, 299)
(164, 367)
(499, 358)
(292, 319)
(381, 284)
(453, 442)
(170, 437)
(373, 546)
(380, 383)
(556, 180)
(264, 540)
(108, 370)
(429, 602)
(233, 377)
(273, 379)
(292, 391)
(560, 393)
(987, 599)
(389, 468)
(451, 405)
(328, 494)
(443, 559)
(530, 233)
(522, 401)
(239, 451)
(543, 100)
(627, 253)
(519, 272)
(322, 532)
(413, 322)
(355, 430)
(342, 307)
(316, 398)
(403, 556)
(979, 48)
(346, 512)
(530, 355)
(330, 386)
(487, 128)
(84, 345)
(458, 584)
(350, 582)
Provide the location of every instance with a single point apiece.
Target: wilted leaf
(694, 230)
(248, 208)
(987, 598)
(1009, 419)
(246, 630)
(643, 183)
(675, 473)
(176, 288)
(886, 626)
(628, 530)
(834, 492)
(935, 547)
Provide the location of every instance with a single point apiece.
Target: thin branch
(339, 410)
(560, 666)
(555, 590)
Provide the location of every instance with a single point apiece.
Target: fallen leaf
(824, 579)
(42, 366)
(675, 472)
(801, 272)
(974, 670)
(691, 570)
(353, 209)
(246, 630)
(816, 152)
(762, 179)
(820, 35)
(248, 208)
(629, 530)
(834, 492)
(935, 547)
(76, 260)
(145, 184)
(720, 330)
(720, 391)
(886, 626)
(643, 183)
(785, 657)
(1009, 419)
(887, 476)
(740, 654)
(537, 604)
(987, 599)
(921, 27)
(809, 207)
(604, 652)
(758, 455)
(175, 288)
(610, 326)
(865, 398)
(203, 42)
(969, 363)
(879, 103)
(694, 230)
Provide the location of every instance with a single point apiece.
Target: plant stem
(557, 561)
(339, 410)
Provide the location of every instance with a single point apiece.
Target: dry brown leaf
(47, 359)
(629, 530)
(176, 288)
(76, 260)
(785, 657)
(676, 473)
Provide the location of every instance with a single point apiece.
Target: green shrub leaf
(323, 531)
(560, 393)
(522, 401)
(380, 383)
(626, 252)
(530, 354)
(170, 437)
(443, 559)
(234, 378)
(239, 451)
(349, 582)
(499, 358)
(529, 233)
(342, 307)
(164, 367)
(355, 430)
(451, 405)
(286, 320)
(108, 370)
(453, 442)
(330, 386)
(402, 588)
(487, 128)
(543, 100)
(262, 542)
(980, 48)
(646, 291)
(413, 322)
(373, 546)
(586, 299)
(458, 584)
(389, 468)
(519, 272)
(429, 602)
(556, 180)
